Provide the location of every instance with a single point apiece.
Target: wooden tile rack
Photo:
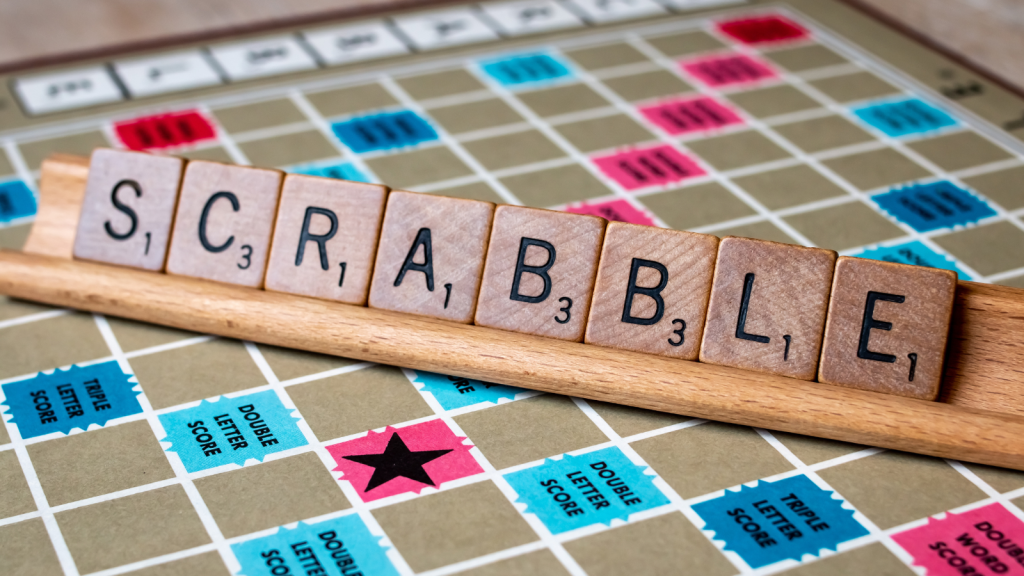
(979, 417)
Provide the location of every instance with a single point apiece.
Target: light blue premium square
(904, 117)
(525, 69)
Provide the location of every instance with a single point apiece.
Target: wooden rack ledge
(985, 368)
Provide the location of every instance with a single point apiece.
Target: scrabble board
(130, 448)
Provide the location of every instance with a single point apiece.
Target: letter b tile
(430, 255)
(887, 327)
(224, 222)
(540, 272)
(768, 305)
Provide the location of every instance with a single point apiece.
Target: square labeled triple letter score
(652, 290)
(325, 238)
(768, 305)
(887, 327)
(128, 208)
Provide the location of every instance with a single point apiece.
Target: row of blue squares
(16, 201)
(904, 117)
(339, 171)
(927, 207)
(384, 131)
(525, 69)
(914, 253)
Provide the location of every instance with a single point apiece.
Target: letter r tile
(664, 277)
(128, 208)
(430, 256)
(224, 222)
(540, 271)
(325, 238)
(887, 327)
(767, 309)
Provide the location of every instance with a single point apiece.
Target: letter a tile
(767, 309)
(128, 208)
(540, 271)
(430, 255)
(224, 222)
(652, 290)
(887, 327)
(325, 238)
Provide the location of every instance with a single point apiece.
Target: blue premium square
(525, 69)
(914, 253)
(16, 201)
(926, 207)
(904, 117)
(384, 131)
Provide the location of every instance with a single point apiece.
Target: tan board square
(772, 101)
(562, 99)
(555, 186)
(5, 438)
(15, 498)
(542, 561)
(1002, 186)
(325, 238)
(27, 549)
(682, 44)
(894, 488)
(424, 166)
(844, 226)
(887, 327)
(763, 230)
(106, 460)
(131, 529)
(14, 308)
(358, 401)
(989, 249)
(1002, 479)
(431, 255)
(539, 273)
(737, 150)
(528, 430)
(351, 100)
(959, 150)
(806, 57)
(823, 133)
(628, 421)
(606, 56)
(856, 86)
(213, 154)
(205, 564)
(128, 208)
(258, 115)
(606, 132)
(514, 149)
(51, 343)
(224, 222)
(288, 364)
(871, 559)
(1014, 282)
(811, 450)
(477, 520)
(13, 237)
(132, 335)
(702, 459)
(667, 544)
(767, 307)
(647, 85)
(876, 168)
(470, 116)
(696, 206)
(195, 372)
(788, 187)
(476, 191)
(79, 144)
(286, 490)
(651, 292)
(305, 146)
(437, 84)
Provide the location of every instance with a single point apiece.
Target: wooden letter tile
(540, 270)
(767, 309)
(224, 222)
(887, 327)
(430, 255)
(325, 238)
(652, 290)
(128, 208)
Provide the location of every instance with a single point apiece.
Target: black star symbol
(397, 460)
